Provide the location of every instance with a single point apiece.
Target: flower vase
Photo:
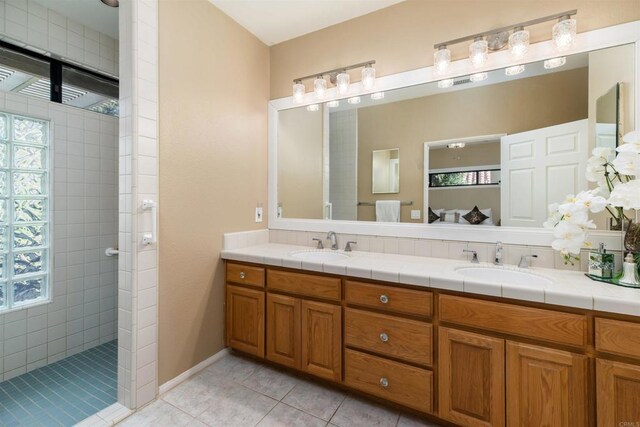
(632, 237)
(617, 224)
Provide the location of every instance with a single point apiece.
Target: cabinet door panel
(471, 388)
(618, 394)
(545, 387)
(283, 330)
(322, 339)
(245, 320)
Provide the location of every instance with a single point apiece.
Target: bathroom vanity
(419, 338)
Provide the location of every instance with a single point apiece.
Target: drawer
(393, 381)
(389, 298)
(404, 339)
(245, 274)
(304, 284)
(617, 336)
(549, 325)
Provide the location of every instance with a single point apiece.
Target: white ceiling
(90, 13)
(275, 21)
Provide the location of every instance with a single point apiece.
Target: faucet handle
(347, 248)
(474, 258)
(524, 261)
(319, 245)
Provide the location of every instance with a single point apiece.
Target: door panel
(322, 339)
(283, 330)
(245, 320)
(618, 394)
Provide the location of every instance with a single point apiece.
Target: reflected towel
(388, 210)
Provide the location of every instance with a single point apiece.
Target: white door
(541, 167)
(606, 135)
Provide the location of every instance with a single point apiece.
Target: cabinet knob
(384, 337)
(384, 299)
(242, 275)
(384, 383)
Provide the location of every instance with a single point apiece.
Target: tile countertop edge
(570, 289)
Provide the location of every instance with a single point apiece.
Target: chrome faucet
(524, 263)
(474, 258)
(331, 236)
(498, 259)
(319, 245)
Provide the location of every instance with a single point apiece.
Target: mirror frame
(603, 38)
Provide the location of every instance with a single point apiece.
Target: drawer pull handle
(242, 275)
(384, 337)
(384, 299)
(384, 383)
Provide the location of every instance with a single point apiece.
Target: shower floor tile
(62, 393)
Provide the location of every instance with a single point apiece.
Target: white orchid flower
(570, 238)
(627, 163)
(626, 195)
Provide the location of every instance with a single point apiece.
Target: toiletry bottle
(601, 263)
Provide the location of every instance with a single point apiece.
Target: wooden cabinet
(618, 394)
(283, 330)
(618, 337)
(545, 387)
(245, 320)
(322, 339)
(471, 376)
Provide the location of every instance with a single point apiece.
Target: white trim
(192, 371)
(477, 140)
(585, 42)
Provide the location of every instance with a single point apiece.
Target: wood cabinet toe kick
(470, 361)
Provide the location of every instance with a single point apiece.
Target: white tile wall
(29, 24)
(343, 162)
(83, 311)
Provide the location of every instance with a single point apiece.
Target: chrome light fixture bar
(339, 77)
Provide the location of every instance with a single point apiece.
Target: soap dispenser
(630, 272)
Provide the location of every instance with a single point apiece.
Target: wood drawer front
(389, 298)
(617, 336)
(565, 328)
(406, 385)
(304, 284)
(404, 339)
(245, 274)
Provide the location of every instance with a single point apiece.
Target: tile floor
(236, 391)
(62, 393)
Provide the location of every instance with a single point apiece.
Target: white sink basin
(320, 255)
(502, 275)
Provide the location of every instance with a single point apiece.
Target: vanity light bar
(339, 77)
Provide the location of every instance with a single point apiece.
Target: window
(464, 178)
(24, 215)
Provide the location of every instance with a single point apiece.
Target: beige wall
(300, 163)
(214, 88)
(401, 37)
(511, 107)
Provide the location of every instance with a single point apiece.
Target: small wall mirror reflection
(608, 118)
(386, 171)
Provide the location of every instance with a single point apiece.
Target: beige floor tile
(158, 414)
(286, 416)
(243, 408)
(315, 399)
(355, 412)
(232, 368)
(198, 393)
(271, 382)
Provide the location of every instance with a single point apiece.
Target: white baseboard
(191, 372)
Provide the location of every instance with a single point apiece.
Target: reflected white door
(541, 167)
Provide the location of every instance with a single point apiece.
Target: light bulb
(298, 92)
(333, 104)
(320, 87)
(313, 107)
(441, 60)
(564, 34)
(555, 62)
(479, 53)
(443, 84)
(368, 77)
(354, 100)
(377, 96)
(478, 77)
(519, 43)
(514, 71)
(342, 81)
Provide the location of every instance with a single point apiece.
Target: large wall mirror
(502, 148)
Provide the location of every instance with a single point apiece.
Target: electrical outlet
(259, 214)
(415, 213)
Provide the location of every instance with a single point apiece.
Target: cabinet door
(283, 330)
(471, 388)
(245, 320)
(618, 394)
(322, 339)
(545, 387)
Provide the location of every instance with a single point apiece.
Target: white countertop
(569, 288)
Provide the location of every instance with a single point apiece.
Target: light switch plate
(415, 213)
(258, 214)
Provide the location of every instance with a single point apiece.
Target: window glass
(84, 90)
(464, 178)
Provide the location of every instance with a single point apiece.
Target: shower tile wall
(85, 212)
(343, 164)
